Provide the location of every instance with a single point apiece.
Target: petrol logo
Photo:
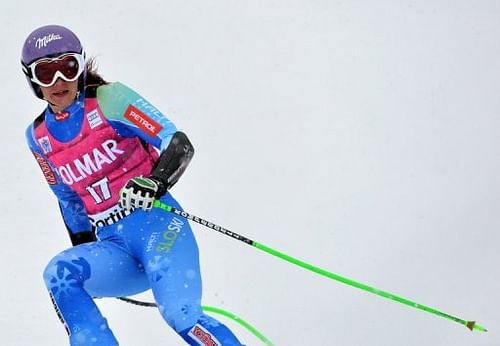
(142, 121)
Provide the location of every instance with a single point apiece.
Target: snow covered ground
(360, 136)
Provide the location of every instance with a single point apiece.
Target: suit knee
(63, 274)
(181, 316)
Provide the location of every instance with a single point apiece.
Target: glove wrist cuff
(162, 186)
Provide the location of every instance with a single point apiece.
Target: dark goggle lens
(46, 70)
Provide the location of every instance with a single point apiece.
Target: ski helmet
(47, 42)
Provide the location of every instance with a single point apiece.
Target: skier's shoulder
(113, 90)
(113, 98)
(30, 129)
(39, 119)
(121, 103)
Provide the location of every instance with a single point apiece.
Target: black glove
(82, 237)
(140, 192)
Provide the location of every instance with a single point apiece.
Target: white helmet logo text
(42, 42)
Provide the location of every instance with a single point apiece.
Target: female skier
(107, 153)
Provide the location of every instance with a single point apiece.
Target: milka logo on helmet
(44, 41)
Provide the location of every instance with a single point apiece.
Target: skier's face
(61, 94)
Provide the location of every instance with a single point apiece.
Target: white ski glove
(140, 192)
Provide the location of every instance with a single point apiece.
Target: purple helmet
(45, 42)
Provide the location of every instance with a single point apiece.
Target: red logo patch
(61, 116)
(203, 336)
(46, 169)
(144, 122)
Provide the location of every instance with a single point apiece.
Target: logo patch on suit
(94, 119)
(142, 121)
(202, 336)
(45, 144)
(46, 169)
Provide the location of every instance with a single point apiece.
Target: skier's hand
(140, 192)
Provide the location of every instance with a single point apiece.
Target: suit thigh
(110, 270)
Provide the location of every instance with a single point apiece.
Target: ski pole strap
(472, 325)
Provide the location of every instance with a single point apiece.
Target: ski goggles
(68, 67)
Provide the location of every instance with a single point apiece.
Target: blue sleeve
(131, 115)
(72, 208)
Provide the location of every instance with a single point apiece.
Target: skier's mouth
(60, 93)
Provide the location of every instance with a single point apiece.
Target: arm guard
(82, 237)
(173, 162)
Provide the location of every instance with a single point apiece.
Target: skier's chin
(61, 100)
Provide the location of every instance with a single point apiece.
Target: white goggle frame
(31, 73)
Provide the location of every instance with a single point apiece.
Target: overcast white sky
(360, 136)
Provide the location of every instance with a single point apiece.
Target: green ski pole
(214, 310)
(472, 325)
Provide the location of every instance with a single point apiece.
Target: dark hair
(93, 78)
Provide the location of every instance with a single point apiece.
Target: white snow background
(360, 136)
